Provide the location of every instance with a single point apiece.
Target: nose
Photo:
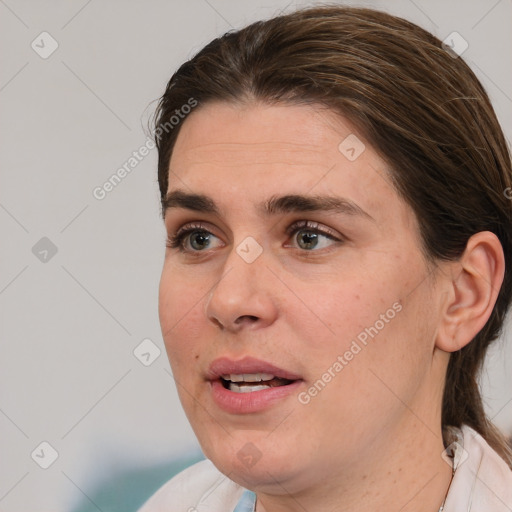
(243, 295)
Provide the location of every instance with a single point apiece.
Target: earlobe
(474, 283)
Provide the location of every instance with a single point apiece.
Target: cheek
(177, 296)
(181, 317)
(352, 303)
(368, 312)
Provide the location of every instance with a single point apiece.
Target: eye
(309, 236)
(194, 235)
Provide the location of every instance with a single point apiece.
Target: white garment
(482, 483)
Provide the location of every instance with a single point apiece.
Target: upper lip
(226, 366)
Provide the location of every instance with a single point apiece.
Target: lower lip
(245, 403)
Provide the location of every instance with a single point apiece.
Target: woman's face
(302, 276)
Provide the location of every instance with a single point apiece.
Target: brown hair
(417, 104)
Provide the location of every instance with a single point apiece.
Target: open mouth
(249, 385)
(251, 382)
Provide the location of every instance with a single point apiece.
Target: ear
(473, 284)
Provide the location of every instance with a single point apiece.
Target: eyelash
(176, 241)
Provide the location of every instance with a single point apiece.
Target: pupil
(202, 238)
(310, 239)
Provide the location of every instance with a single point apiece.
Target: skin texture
(372, 436)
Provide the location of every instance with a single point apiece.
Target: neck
(400, 472)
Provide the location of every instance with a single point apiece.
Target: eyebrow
(276, 204)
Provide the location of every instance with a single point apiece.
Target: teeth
(246, 389)
(248, 377)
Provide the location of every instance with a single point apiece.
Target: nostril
(219, 324)
(249, 318)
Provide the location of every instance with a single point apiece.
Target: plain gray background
(70, 320)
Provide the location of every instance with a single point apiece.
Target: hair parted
(423, 110)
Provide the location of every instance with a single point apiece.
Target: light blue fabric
(246, 503)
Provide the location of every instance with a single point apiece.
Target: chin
(260, 476)
(251, 462)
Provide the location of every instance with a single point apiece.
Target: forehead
(230, 134)
(246, 153)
